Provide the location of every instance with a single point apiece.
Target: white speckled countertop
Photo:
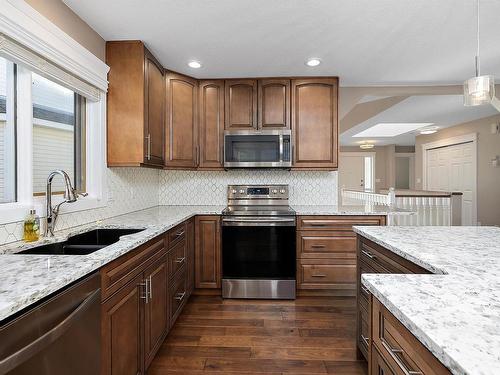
(455, 312)
(25, 279)
(355, 210)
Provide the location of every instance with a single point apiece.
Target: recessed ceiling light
(313, 61)
(429, 130)
(194, 64)
(391, 129)
(366, 146)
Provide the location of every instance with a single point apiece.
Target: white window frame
(26, 26)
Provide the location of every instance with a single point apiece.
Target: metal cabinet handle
(150, 289)
(42, 342)
(180, 296)
(365, 340)
(365, 290)
(145, 296)
(148, 155)
(319, 275)
(318, 246)
(395, 354)
(180, 260)
(368, 254)
(318, 224)
(178, 234)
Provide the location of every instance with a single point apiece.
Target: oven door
(257, 149)
(258, 248)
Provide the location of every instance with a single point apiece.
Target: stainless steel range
(258, 243)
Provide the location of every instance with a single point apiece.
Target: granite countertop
(368, 209)
(28, 278)
(454, 312)
(25, 279)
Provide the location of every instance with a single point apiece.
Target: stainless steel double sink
(84, 243)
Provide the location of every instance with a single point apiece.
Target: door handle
(180, 260)
(180, 296)
(319, 275)
(145, 296)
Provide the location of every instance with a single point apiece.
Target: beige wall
(380, 163)
(63, 17)
(488, 178)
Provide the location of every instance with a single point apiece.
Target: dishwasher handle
(42, 342)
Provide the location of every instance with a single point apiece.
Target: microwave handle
(281, 148)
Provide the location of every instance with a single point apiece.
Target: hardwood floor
(257, 337)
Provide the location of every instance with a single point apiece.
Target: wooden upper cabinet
(315, 123)
(181, 146)
(135, 103)
(241, 104)
(211, 124)
(274, 104)
(155, 110)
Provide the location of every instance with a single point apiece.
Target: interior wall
(380, 163)
(488, 177)
(63, 17)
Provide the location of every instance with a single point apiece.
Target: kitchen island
(455, 310)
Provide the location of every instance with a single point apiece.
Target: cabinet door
(190, 255)
(207, 252)
(154, 111)
(315, 123)
(181, 147)
(241, 104)
(211, 121)
(122, 331)
(378, 365)
(274, 104)
(156, 313)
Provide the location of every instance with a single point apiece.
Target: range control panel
(257, 192)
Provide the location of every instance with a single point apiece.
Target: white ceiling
(364, 42)
(443, 110)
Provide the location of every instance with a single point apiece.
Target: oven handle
(257, 222)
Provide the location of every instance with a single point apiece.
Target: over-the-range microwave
(257, 149)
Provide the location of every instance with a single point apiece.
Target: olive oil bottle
(31, 227)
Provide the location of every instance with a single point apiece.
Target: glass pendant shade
(479, 90)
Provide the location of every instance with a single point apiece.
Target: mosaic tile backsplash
(130, 189)
(210, 187)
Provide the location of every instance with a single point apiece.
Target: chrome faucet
(70, 196)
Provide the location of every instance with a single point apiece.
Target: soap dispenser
(31, 230)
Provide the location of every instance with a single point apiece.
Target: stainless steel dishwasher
(61, 336)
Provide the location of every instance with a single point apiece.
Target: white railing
(430, 208)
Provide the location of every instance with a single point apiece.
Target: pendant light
(480, 90)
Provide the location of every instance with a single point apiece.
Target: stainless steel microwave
(257, 149)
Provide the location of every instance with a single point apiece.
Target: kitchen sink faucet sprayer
(70, 196)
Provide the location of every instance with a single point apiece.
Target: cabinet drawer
(178, 295)
(340, 223)
(177, 258)
(321, 275)
(176, 234)
(120, 271)
(400, 349)
(326, 245)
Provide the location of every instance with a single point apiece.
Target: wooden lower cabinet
(395, 349)
(382, 339)
(144, 291)
(373, 258)
(122, 331)
(156, 314)
(326, 253)
(208, 252)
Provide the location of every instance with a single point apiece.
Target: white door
(356, 170)
(452, 169)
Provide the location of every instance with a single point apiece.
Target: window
(7, 132)
(58, 134)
